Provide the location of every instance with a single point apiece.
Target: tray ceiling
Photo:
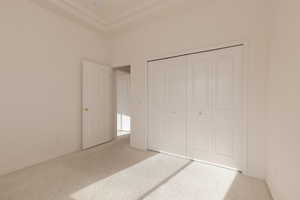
(106, 15)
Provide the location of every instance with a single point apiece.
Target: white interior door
(215, 119)
(167, 105)
(97, 104)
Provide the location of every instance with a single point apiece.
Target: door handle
(86, 109)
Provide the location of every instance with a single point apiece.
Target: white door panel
(200, 127)
(156, 107)
(97, 104)
(175, 88)
(222, 129)
(196, 106)
(167, 105)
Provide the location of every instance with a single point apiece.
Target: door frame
(245, 167)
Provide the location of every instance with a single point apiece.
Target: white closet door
(97, 104)
(215, 108)
(156, 102)
(175, 104)
(200, 106)
(167, 105)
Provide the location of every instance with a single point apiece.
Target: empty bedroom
(149, 99)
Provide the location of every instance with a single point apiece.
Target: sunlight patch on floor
(163, 177)
(133, 182)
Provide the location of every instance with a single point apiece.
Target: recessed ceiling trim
(83, 10)
(90, 17)
(79, 12)
(134, 10)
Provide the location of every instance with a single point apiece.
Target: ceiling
(106, 15)
(111, 11)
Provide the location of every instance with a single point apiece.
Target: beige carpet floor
(117, 172)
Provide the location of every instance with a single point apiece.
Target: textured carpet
(115, 171)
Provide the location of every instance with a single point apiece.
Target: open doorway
(122, 77)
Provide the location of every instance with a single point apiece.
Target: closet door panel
(228, 108)
(156, 109)
(175, 103)
(167, 105)
(215, 132)
(199, 106)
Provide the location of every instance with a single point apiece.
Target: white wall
(205, 24)
(283, 160)
(40, 83)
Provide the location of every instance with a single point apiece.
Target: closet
(196, 106)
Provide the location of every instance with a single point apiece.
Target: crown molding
(91, 18)
(82, 14)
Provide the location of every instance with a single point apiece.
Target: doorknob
(85, 109)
